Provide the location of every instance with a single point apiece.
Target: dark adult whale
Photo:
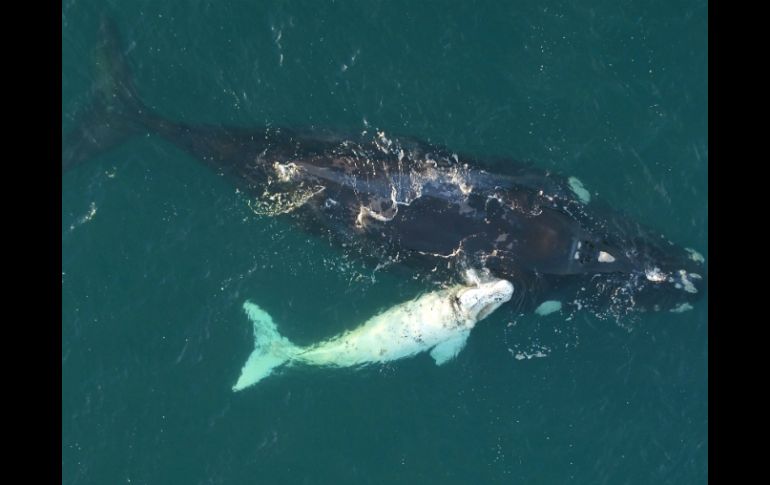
(396, 200)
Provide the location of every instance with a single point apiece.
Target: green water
(158, 253)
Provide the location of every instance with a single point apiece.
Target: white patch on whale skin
(286, 172)
(681, 308)
(548, 307)
(686, 283)
(655, 275)
(367, 212)
(578, 189)
(606, 257)
(273, 204)
(383, 216)
(457, 177)
(695, 255)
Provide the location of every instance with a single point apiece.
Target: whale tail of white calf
(270, 348)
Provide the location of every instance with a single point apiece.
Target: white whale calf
(441, 321)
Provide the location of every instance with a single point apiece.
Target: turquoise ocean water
(158, 253)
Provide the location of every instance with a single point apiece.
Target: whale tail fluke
(114, 111)
(270, 348)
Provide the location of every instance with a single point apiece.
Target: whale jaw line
(480, 301)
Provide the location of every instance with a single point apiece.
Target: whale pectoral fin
(449, 349)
